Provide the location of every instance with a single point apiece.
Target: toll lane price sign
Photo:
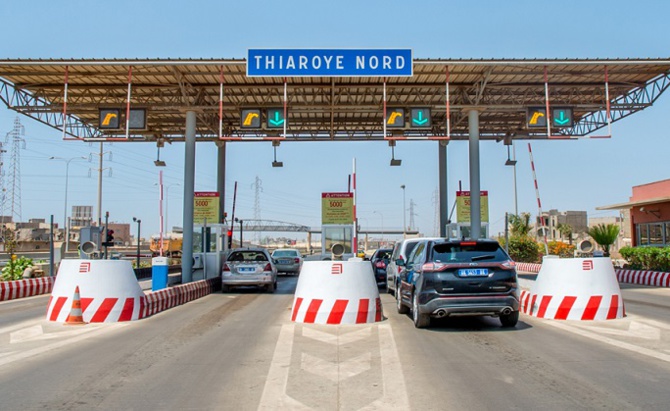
(463, 206)
(337, 208)
(206, 206)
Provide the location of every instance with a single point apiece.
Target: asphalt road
(240, 351)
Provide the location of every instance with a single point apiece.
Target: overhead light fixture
(276, 163)
(509, 161)
(159, 162)
(394, 161)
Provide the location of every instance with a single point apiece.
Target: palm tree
(565, 230)
(605, 235)
(519, 224)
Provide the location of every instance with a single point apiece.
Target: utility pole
(100, 169)
(411, 213)
(258, 189)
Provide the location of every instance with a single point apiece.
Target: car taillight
(430, 267)
(380, 264)
(268, 267)
(296, 260)
(226, 267)
(509, 264)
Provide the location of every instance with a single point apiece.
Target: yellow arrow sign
(249, 118)
(536, 117)
(108, 118)
(393, 116)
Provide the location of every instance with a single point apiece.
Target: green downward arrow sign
(277, 121)
(562, 120)
(420, 121)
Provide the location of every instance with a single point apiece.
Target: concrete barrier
(337, 292)
(575, 289)
(167, 298)
(10, 290)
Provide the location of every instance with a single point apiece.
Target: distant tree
(519, 224)
(566, 231)
(605, 235)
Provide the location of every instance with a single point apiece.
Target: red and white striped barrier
(654, 278)
(529, 267)
(337, 292)
(108, 288)
(165, 299)
(574, 289)
(10, 290)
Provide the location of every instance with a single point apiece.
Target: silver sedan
(287, 260)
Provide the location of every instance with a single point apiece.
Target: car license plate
(285, 261)
(473, 272)
(246, 269)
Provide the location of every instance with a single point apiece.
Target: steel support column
(189, 188)
(475, 189)
(444, 189)
(221, 179)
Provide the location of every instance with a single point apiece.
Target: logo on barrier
(84, 267)
(587, 265)
(336, 269)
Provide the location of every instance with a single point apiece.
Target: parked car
(380, 259)
(287, 260)
(401, 250)
(451, 278)
(249, 267)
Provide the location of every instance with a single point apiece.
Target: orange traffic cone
(76, 317)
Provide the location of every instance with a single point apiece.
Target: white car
(401, 250)
(249, 267)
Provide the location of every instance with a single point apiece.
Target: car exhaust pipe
(441, 313)
(506, 311)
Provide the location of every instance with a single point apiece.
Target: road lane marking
(394, 397)
(610, 341)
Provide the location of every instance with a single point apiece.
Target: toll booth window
(338, 235)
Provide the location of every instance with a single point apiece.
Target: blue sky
(572, 175)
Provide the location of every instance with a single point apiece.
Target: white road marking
(635, 330)
(610, 341)
(58, 344)
(394, 397)
(23, 324)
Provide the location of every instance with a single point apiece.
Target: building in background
(649, 214)
(551, 221)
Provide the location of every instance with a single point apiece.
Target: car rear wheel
(402, 309)
(420, 320)
(510, 320)
(271, 287)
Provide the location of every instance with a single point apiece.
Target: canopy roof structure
(68, 95)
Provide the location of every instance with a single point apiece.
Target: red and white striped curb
(654, 278)
(334, 311)
(10, 290)
(595, 307)
(162, 300)
(529, 267)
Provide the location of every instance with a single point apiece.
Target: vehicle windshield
(285, 253)
(465, 253)
(383, 255)
(247, 256)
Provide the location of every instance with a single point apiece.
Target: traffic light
(109, 239)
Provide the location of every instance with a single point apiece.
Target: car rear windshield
(383, 254)
(285, 253)
(247, 256)
(468, 252)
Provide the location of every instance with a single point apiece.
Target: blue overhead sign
(329, 63)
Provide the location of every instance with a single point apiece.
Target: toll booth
(340, 236)
(457, 231)
(209, 248)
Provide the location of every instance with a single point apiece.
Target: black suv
(450, 278)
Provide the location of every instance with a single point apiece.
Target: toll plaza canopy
(145, 100)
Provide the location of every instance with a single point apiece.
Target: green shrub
(14, 271)
(523, 249)
(647, 258)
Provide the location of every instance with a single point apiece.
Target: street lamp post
(66, 226)
(139, 222)
(167, 199)
(404, 225)
(382, 216)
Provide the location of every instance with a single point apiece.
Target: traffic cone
(76, 317)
